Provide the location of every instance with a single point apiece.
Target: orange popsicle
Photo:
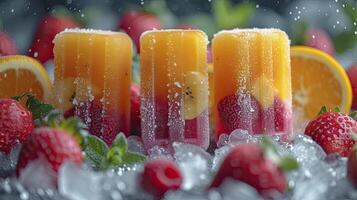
(252, 81)
(174, 88)
(92, 79)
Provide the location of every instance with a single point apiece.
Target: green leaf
(96, 150)
(131, 158)
(288, 163)
(354, 136)
(269, 149)
(228, 16)
(323, 110)
(353, 115)
(337, 109)
(120, 143)
(76, 128)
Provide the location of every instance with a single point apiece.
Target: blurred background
(330, 25)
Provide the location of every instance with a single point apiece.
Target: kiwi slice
(195, 94)
(70, 90)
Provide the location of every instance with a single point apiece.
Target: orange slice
(21, 74)
(318, 80)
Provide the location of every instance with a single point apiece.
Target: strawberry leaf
(353, 115)
(323, 110)
(337, 109)
(38, 108)
(288, 163)
(95, 150)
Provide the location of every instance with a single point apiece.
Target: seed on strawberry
(15, 124)
(53, 145)
(332, 131)
(247, 163)
(240, 112)
(7, 45)
(160, 176)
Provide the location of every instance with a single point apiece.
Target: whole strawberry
(50, 25)
(134, 23)
(249, 164)
(7, 45)
(160, 176)
(135, 120)
(15, 124)
(332, 131)
(352, 74)
(352, 167)
(53, 145)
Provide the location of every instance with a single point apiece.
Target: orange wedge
(318, 80)
(21, 74)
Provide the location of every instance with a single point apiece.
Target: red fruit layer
(102, 123)
(245, 112)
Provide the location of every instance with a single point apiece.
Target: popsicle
(174, 88)
(92, 79)
(252, 81)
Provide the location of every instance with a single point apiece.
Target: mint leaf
(323, 110)
(120, 143)
(288, 163)
(96, 150)
(131, 158)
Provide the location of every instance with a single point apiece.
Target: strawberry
(104, 124)
(53, 145)
(134, 23)
(352, 167)
(135, 119)
(7, 45)
(15, 124)
(332, 131)
(160, 176)
(319, 39)
(352, 74)
(240, 112)
(249, 164)
(50, 25)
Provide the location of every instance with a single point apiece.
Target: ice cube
(223, 140)
(159, 152)
(38, 174)
(79, 184)
(9, 162)
(240, 136)
(195, 164)
(180, 195)
(135, 144)
(232, 190)
(219, 155)
(306, 151)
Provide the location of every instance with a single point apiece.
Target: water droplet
(12, 10)
(35, 54)
(257, 6)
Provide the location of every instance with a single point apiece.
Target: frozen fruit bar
(92, 79)
(174, 88)
(252, 81)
